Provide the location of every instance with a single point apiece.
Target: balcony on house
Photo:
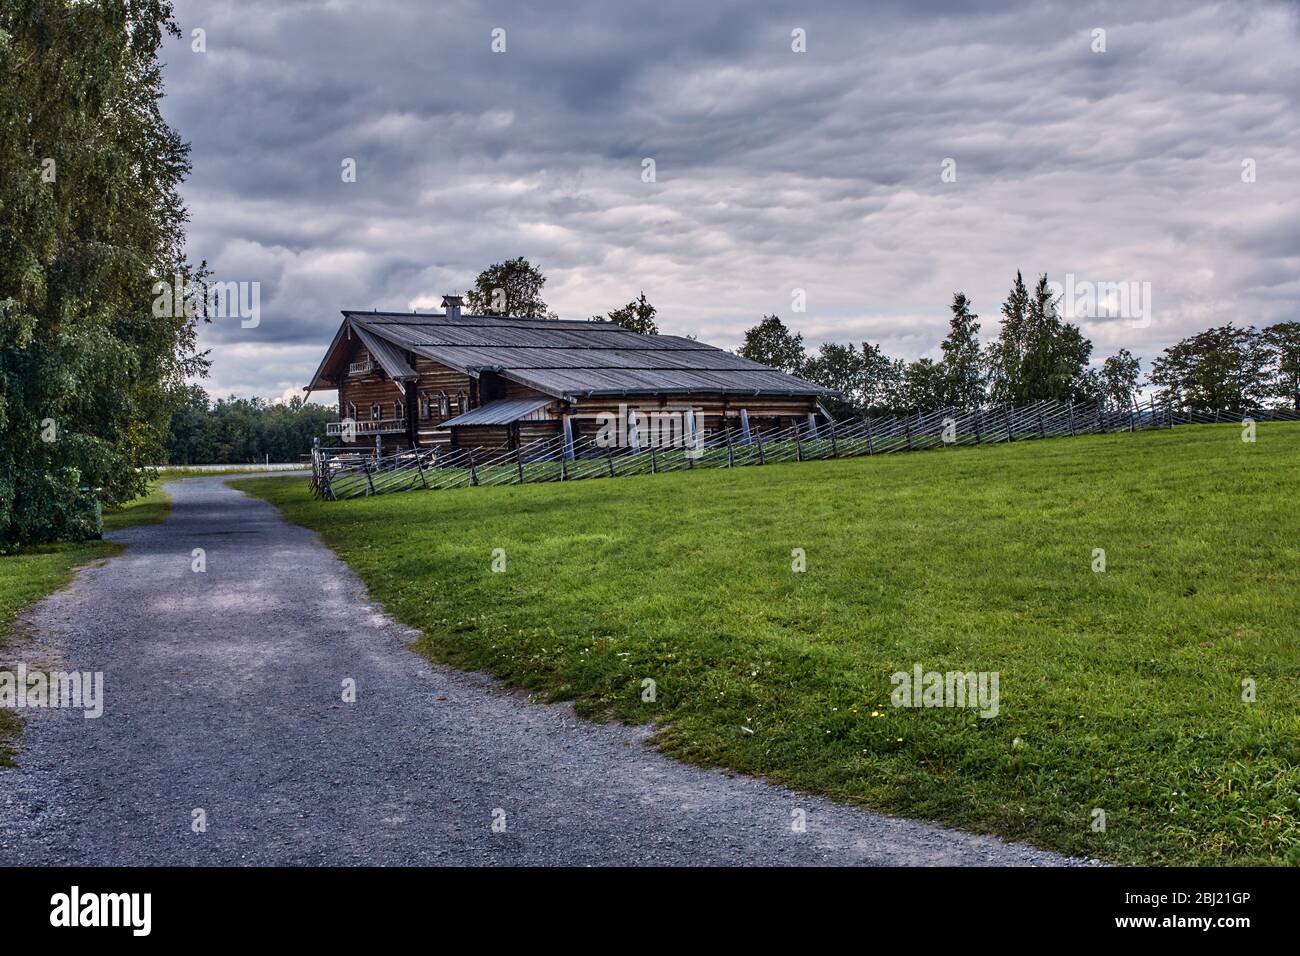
(383, 426)
(364, 367)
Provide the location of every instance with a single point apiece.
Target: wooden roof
(566, 359)
(503, 411)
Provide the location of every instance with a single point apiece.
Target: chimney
(452, 304)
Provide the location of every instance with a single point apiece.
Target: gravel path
(223, 692)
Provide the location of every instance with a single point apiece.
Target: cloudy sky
(913, 150)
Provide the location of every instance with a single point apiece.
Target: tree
(637, 316)
(1069, 378)
(1056, 354)
(1037, 356)
(771, 343)
(882, 380)
(869, 381)
(189, 440)
(1119, 379)
(1003, 357)
(512, 288)
(92, 222)
(1221, 369)
(842, 368)
(1283, 340)
(963, 376)
(924, 386)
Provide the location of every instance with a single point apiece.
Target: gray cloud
(776, 170)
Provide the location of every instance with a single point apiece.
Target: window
(375, 411)
(444, 409)
(463, 401)
(399, 411)
(424, 405)
(352, 410)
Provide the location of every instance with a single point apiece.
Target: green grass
(1119, 690)
(35, 572)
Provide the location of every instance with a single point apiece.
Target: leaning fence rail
(338, 473)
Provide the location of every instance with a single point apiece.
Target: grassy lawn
(35, 572)
(1119, 690)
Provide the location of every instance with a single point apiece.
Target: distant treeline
(1038, 356)
(237, 431)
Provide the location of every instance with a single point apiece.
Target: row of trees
(1229, 368)
(1037, 355)
(234, 431)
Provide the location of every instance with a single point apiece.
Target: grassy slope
(38, 571)
(1119, 690)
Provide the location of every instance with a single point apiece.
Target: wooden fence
(339, 473)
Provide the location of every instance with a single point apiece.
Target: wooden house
(409, 380)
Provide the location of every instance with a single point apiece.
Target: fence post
(726, 433)
(566, 452)
(420, 467)
(835, 449)
(758, 437)
(908, 426)
(1010, 436)
(870, 444)
(654, 464)
(1041, 432)
(473, 472)
(370, 482)
(1071, 409)
(798, 445)
(564, 464)
(519, 460)
(979, 436)
(609, 456)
